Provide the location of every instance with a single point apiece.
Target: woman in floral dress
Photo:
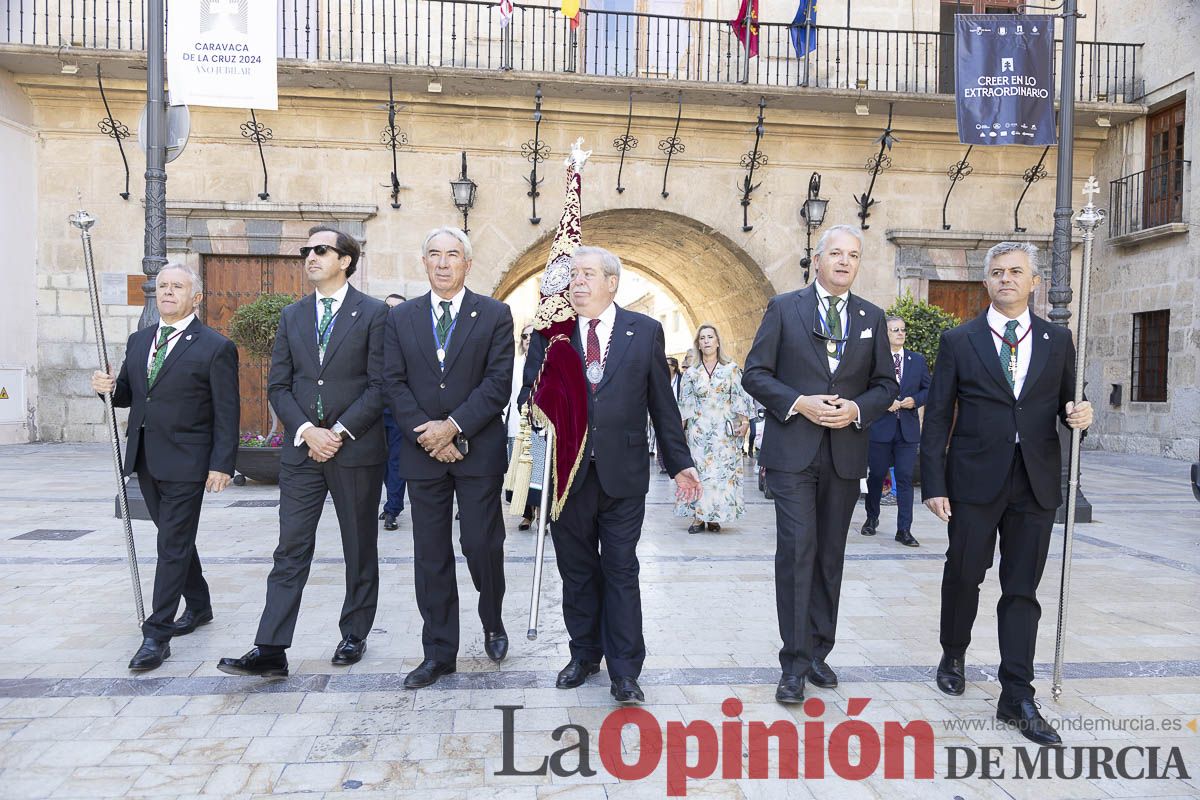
(716, 414)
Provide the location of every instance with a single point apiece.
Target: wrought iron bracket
(110, 126)
(1032, 176)
(393, 139)
(625, 143)
(258, 133)
(957, 172)
(535, 152)
(672, 145)
(875, 165)
(749, 161)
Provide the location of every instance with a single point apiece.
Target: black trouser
(812, 516)
(1024, 528)
(903, 456)
(595, 544)
(174, 507)
(481, 535)
(302, 491)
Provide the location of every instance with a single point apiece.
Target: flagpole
(746, 43)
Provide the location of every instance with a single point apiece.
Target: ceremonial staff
(540, 546)
(84, 221)
(1087, 221)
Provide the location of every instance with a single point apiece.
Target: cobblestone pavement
(75, 723)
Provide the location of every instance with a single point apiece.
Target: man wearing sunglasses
(325, 383)
(822, 367)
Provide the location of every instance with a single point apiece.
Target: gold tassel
(520, 469)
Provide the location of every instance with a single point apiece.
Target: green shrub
(253, 326)
(925, 323)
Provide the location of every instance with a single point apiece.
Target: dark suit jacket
(636, 382)
(787, 360)
(188, 423)
(350, 379)
(983, 438)
(474, 389)
(914, 383)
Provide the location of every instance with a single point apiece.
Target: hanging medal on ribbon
(595, 371)
(442, 345)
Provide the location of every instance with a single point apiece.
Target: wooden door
(1164, 167)
(231, 282)
(964, 299)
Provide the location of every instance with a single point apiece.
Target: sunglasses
(319, 249)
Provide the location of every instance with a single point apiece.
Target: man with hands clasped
(180, 384)
(822, 367)
(1002, 383)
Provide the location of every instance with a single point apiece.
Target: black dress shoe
(575, 673)
(696, 527)
(715, 527)
(821, 675)
(951, 675)
(790, 689)
(427, 674)
(349, 651)
(495, 645)
(626, 691)
(150, 655)
(868, 527)
(256, 665)
(190, 620)
(526, 524)
(1024, 715)
(389, 522)
(906, 538)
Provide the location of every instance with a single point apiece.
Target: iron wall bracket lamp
(813, 214)
(463, 192)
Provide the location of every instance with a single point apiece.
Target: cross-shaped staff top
(1091, 188)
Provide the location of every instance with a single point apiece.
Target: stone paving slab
(74, 723)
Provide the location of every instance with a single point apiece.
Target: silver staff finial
(1090, 217)
(82, 219)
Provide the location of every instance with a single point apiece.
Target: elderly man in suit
(894, 436)
(181, 444)
(325, 383)
(448, 375)
(596, 535)
(1002, 384)
(821, 366)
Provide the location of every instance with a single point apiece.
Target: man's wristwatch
(343, 434)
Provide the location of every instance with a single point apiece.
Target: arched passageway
(710, 277)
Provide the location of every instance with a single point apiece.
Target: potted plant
(252, 328)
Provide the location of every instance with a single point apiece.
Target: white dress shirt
(608, 318)
(338, 297)
(177, 332)
(997, 321)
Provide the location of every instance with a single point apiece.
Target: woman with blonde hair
(716, 415)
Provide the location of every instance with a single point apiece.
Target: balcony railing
(457, 33)
(1148, 199)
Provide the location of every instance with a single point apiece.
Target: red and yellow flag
(747, 34)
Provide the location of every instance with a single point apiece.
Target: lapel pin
(354, 313)
(474, 314)
(187, 338)
(629, 333)
(1045, 336)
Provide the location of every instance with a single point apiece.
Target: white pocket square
(867, 334)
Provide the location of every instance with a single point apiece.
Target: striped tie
(160, 354)
(323, 331)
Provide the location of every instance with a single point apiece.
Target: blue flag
(804, 28)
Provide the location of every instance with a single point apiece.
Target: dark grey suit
(349, 381)
(473, 389)
(813, 471)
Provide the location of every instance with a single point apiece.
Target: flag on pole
(506, 12)
(804, 28)
(747, 34)
(570, 10)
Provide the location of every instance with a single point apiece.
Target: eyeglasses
(526, 335)
(319, 249)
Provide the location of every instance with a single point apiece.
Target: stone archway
(711, 278)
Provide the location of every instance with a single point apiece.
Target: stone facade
(325, 162)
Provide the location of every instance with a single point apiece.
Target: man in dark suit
(1002, 383)
(180, 382)
(326, 384)
(894, 436)
(596, 535)
(392, 482)
(821, 366)
(448, 376)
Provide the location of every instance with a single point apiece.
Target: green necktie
(833, 319)
(443, 323)
(322, 340)
(160, 354)
(1008, 356)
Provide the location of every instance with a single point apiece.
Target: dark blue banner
(1004, 79)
